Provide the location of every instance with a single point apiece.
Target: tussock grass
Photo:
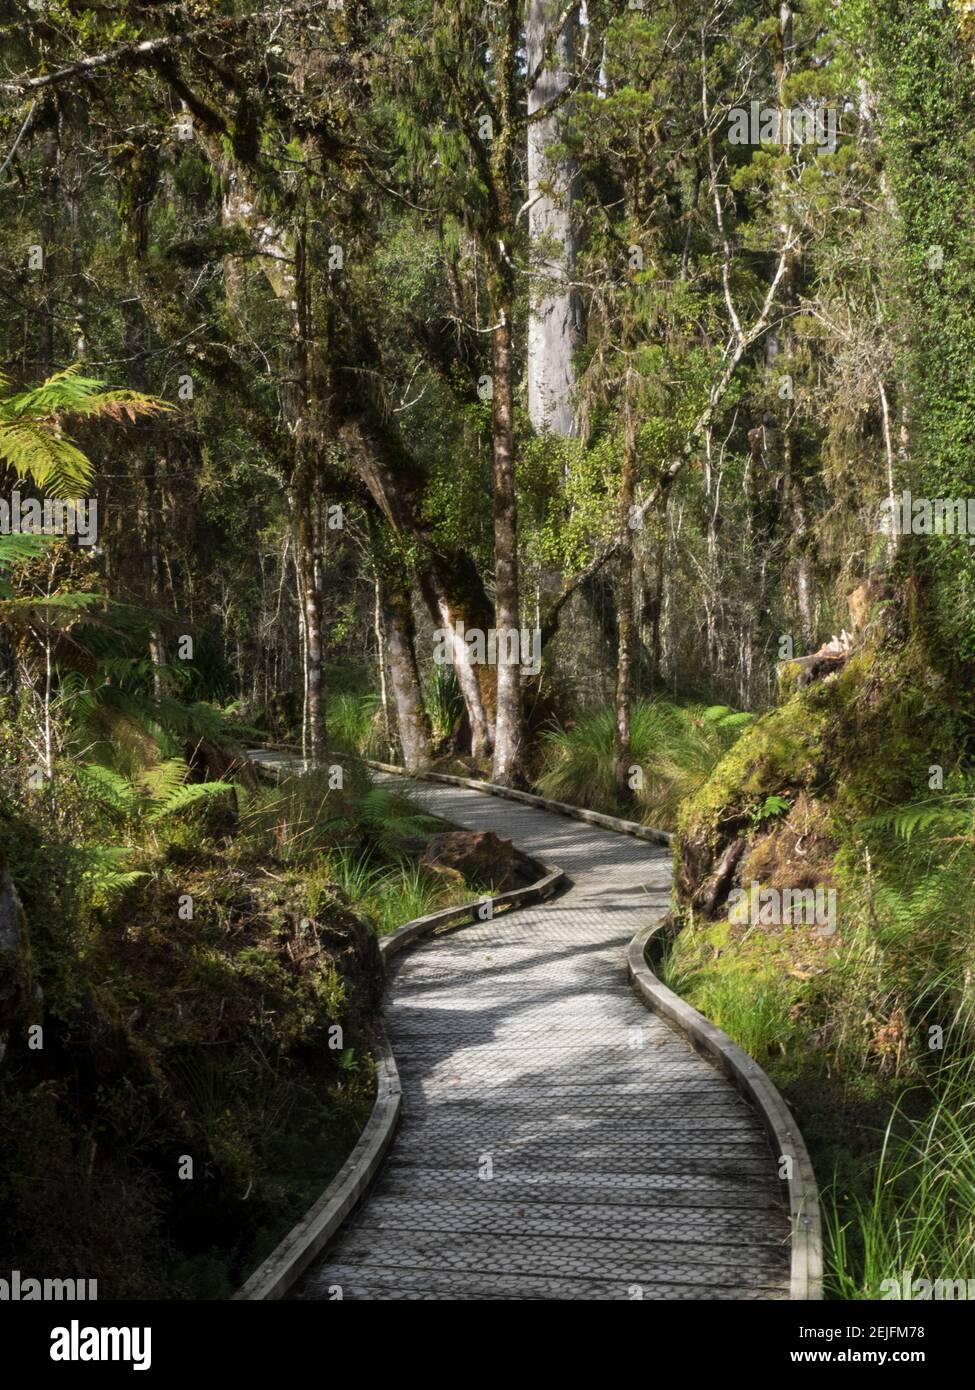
(674, 746)
(918, 1215)
(389, 895)
(442, 701)
(355, 722)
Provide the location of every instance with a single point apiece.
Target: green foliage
(307, 814)
(152, 795)
(354, 721)
(17, 549)
(442, 701)
(104, 874)
(21, 546)
(926, 80)
(772, 806)
(32, 438)
(917, 1218)
(848, 1025)
(674, 746)
(745, 991)
(764, 530)
(389, 894)
(268, 1115)
(949, 813)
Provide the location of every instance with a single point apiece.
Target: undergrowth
(673, 749)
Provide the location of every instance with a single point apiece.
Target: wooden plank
(619, 1156)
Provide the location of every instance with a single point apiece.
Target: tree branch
(552, 37)
(141, 53)
(742, 342)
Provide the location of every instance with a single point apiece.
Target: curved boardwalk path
(558, 1141)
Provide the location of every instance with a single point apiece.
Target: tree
(553, 321)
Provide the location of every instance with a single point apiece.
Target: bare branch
(20, 135)
(140, 54)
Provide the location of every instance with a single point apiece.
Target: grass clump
(675, 747)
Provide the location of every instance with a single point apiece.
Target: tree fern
(59, 611)
(32, 438)
(53, 461)
(16, 549)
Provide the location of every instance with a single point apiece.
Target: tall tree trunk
(50, 184)
(508, 731)
(793, 497)
(377, 627)
(285, 265)
(153, 568)
(713, 476)
(622, 752)
(553, 317)
(508, 719)
(305, 544)
(451, 587)
(138, 188)
(411, 717)
(297, 409)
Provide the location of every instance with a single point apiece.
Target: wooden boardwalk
(558, 1141)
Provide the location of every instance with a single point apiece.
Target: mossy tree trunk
(509, 732)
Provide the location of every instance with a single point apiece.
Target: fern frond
(19, 547)
(31, 439)
(160, 782)
(55, 463)
(188, 795)
(58, 611)
(103, 873)
(110, 788)
(946, 817)
(67, 392)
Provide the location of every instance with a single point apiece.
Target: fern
(103, 874)
(182, 798)
(15, 549)
(952, 815)
(110, 788)
(54, 462)
(388, 815)
(120, 724)
(771, 807)
(59, 611)
(158, 783)
(32, 438)
(155, 793)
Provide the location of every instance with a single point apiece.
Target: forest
(573, 398)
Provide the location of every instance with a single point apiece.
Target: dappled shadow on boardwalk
(558, 1141)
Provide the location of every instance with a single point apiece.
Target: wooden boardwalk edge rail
(806, 1276)
(559, 808)
(308, 1237)
(284, 1266)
